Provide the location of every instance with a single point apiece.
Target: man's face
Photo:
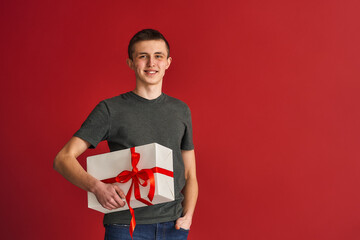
(150, 61)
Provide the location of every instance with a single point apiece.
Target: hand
(183, 222)
(109, 196)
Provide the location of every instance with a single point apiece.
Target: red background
(274, 91)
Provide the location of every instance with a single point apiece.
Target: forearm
(68, 166)
(190, 197)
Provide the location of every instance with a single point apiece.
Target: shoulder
(177, 103)
(178, 107)
(116, 101)
(109, 105)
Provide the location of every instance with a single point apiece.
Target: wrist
(188, 216)
(94, 185)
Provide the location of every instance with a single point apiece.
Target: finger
(108, 206)
(120, 192)
(112, 204)
(185, 225)
(105, 206)
(119, 202)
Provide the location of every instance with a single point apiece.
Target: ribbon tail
(137, 193)
(132, 222)
(151, 179)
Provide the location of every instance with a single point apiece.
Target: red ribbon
(135, 175)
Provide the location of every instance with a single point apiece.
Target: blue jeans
(157, 231)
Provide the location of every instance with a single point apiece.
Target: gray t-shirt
(129, 120)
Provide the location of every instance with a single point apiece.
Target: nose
(151, 61)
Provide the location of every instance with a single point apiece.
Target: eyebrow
(141, 53)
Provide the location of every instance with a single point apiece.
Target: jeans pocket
(117, 231)
(184, 230)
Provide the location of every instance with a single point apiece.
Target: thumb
(177, 225)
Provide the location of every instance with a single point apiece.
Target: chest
(147, 125)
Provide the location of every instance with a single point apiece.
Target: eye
(142, 56)
(159, 56)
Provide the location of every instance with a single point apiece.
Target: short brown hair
(146, 34)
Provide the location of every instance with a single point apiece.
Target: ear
(130, 63)
(169, 60)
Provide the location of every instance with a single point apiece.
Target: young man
(144, 115)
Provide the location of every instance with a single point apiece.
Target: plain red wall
(274, 91)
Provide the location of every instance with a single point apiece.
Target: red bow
(137, 176)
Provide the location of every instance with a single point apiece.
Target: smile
(150, 71)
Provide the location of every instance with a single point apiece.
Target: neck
(148, 92)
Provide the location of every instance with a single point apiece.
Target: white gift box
(109, 165)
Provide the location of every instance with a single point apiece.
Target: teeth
(152, 71)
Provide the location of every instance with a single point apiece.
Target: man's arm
(190, 190)
(66, 164)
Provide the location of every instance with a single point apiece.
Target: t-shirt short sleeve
(187, 140)
(96, 127)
